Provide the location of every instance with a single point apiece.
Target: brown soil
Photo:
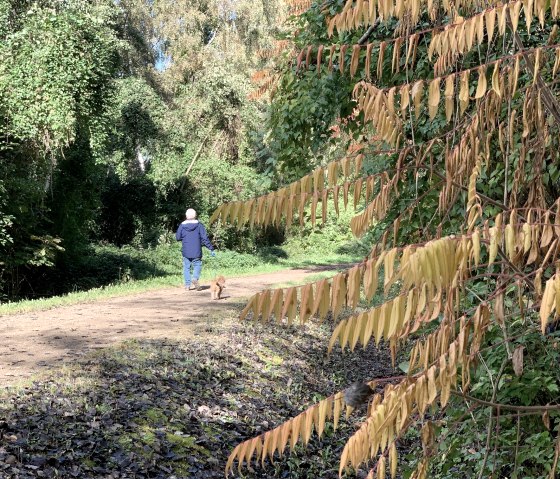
(34, 342)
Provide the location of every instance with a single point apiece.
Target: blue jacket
(193, 235)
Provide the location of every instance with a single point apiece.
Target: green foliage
(54, 71)
(96, 143)
(301, 118)
(333, 237)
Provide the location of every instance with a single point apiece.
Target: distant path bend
(32, 342)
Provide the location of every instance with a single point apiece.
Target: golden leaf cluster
(360, 13)
(462, 36)
(495, 114)
(300, 428)
(314, 188)
(389, 415)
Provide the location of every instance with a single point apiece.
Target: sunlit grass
(174, 280)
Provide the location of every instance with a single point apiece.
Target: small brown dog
(216, 286)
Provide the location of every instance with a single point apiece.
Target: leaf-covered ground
(169, 409)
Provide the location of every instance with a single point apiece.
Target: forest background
(116, 116)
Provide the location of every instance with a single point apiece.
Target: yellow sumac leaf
(370, 279)
(360, 322)
(496, 79)
(232, 457)
(319, 58)
(493, 252)
(344, 458)
(389, 266)
(367, 331)
(397, 314)
(476, 246)
(393, 459)
(307, 426)
(501, 12)
(338, 294)
(556, 62)
(510, 242)
(284, 436)
(537, 60)
(276, 304)
(336, 335)
(433, 97)
(355, 60)
(404, 93)
(216, 214)
(314, 202)
(354, 283)
(274, 442)
(325, 301)
(357, 192)
(499, 313)
(417, 89)
(464, 91)
(266, 446)
(481, 86)
(250, 304)
(290, 305)
(345, 333)
(318, 179)
(336, 191)
(514, 11)
(385, 318)
(381, 467)
(490, 20)
(449, 96)
(324, 406)
(420, 394)
(306, 303)
(380, 58)
(337, 408)
(432, 388)
(296, 425)
(265, 305)
(342, 58)
(548, 303)
(253, 446)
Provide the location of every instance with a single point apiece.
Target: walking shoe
(196, 285)
(188, 287)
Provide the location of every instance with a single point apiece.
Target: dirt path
(33, 342)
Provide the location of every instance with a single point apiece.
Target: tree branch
(369, 31)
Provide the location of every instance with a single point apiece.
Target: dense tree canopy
(116, 115)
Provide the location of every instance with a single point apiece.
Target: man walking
(193, 235)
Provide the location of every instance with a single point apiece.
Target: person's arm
(204, 238)
(179, 233)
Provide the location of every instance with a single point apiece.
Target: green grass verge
(108, 271)
(131, 286)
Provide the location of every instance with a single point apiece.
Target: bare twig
(369, 31)
(491, 420)
(543, 408)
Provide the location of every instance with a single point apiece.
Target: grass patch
(108, 271)
(222, 264)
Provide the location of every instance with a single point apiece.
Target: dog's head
(221, 281)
